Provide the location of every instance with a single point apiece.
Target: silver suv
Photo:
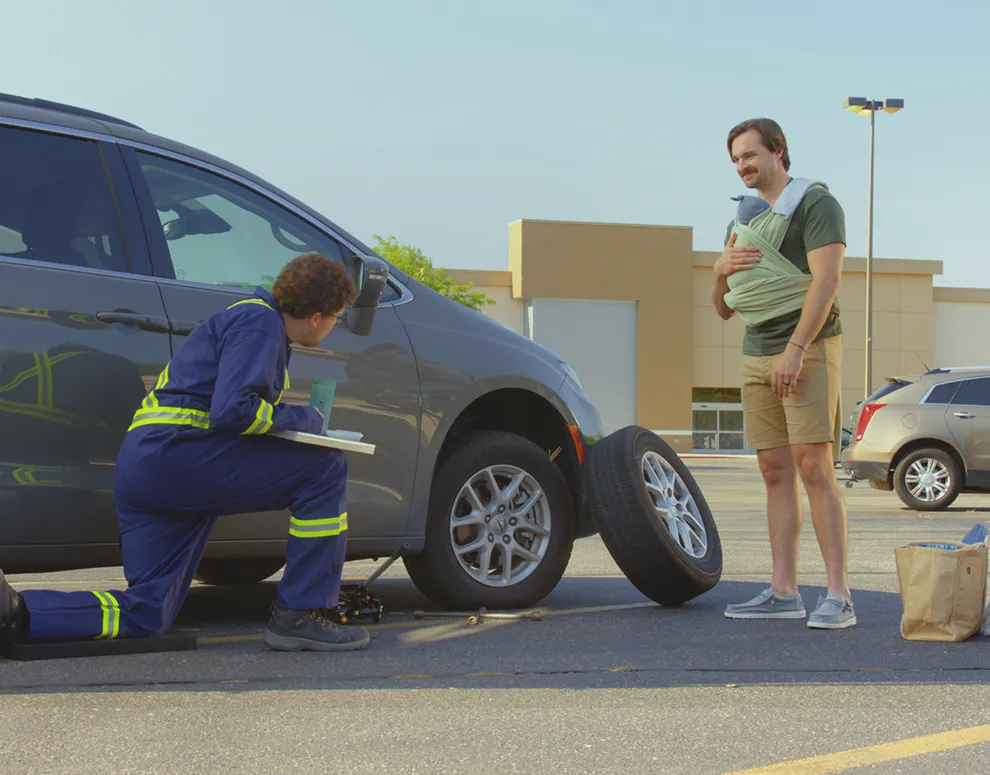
(925, 436)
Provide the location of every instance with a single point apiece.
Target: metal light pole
(865, 107)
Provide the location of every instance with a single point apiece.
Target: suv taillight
(865, 415)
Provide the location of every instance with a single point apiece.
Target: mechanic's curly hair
(313, 283)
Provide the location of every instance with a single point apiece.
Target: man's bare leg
(828, 512)
(781, 600)
(784, 516)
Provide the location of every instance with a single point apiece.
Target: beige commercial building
(628, 306)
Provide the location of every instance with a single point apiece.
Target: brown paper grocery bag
(943, 588)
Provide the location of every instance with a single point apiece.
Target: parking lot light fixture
(869, 107)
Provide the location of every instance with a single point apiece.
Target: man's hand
(787, 371)
(735, 259)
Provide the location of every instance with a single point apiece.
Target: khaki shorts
(808, 416)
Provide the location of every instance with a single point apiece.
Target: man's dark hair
(313, 283)
(769, 130)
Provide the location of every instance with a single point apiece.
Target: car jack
(356, 602)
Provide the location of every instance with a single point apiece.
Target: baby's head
(749, 207)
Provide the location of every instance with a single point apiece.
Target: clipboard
(349, 441)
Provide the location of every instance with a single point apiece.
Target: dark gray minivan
(115, 243)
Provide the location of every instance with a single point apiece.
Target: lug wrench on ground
(482, 613)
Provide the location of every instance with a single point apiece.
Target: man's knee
(814, 462)
(776, 466)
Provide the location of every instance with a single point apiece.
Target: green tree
(412, 261)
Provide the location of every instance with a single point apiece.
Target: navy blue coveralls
(198, 449)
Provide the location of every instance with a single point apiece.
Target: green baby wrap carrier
(774, 286)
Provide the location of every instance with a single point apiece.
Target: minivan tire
(437, 572)
(639, 541)
(228, 572)
(940, 457)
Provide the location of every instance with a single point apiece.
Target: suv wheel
(927, 480)
(653, 517)
(500, 528)
(220, 573)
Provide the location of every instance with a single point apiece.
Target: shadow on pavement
(635, 647)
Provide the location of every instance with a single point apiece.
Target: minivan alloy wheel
(500, 525)
(676, 509)
(927, 480)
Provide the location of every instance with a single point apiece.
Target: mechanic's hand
(787, 371)
(735, 259)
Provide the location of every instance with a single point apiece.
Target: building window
(717, 420)
(707, 395)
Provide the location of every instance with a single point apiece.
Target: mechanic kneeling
(198, 449)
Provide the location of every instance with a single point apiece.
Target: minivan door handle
(158, 325)
(964, 415)
(181, 327)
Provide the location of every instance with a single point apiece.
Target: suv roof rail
(954, 369)
(59, 107)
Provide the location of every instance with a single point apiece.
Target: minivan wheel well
(521, 412)
(917, 444)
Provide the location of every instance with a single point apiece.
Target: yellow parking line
(875, 754)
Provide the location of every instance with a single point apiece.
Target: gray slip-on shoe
(767, 605)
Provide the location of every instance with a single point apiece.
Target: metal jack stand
(356, 602)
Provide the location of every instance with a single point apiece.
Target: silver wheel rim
(927, 480)
(674, 507)
(500, 526)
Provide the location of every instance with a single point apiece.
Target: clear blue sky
(441, 122)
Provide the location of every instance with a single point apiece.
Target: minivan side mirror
(369, 274)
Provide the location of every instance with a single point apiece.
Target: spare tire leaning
(653, 517)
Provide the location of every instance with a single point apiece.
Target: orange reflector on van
(578, 443)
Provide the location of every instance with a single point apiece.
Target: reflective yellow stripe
(18, 379)
(263, 419)
(169, 415)
(41, 379)
(25, 475)
(111, 615)
(49, 381)
(262, 302)
(41, 413)
(317, 528)
(288, 386)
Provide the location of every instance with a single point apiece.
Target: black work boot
(11, 613)
(290, 630)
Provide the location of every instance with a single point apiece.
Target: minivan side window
(219, 232)
(56, 203)
(973, 392)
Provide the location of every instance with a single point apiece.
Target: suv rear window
(885, 390)
(942, 394)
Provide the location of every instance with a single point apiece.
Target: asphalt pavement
(606, 681)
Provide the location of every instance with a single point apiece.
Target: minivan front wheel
(927, 480)
(500, 529)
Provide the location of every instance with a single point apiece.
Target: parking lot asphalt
(606, 681)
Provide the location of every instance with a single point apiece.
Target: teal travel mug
(321, 396)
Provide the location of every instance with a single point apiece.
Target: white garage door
(598, 340)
